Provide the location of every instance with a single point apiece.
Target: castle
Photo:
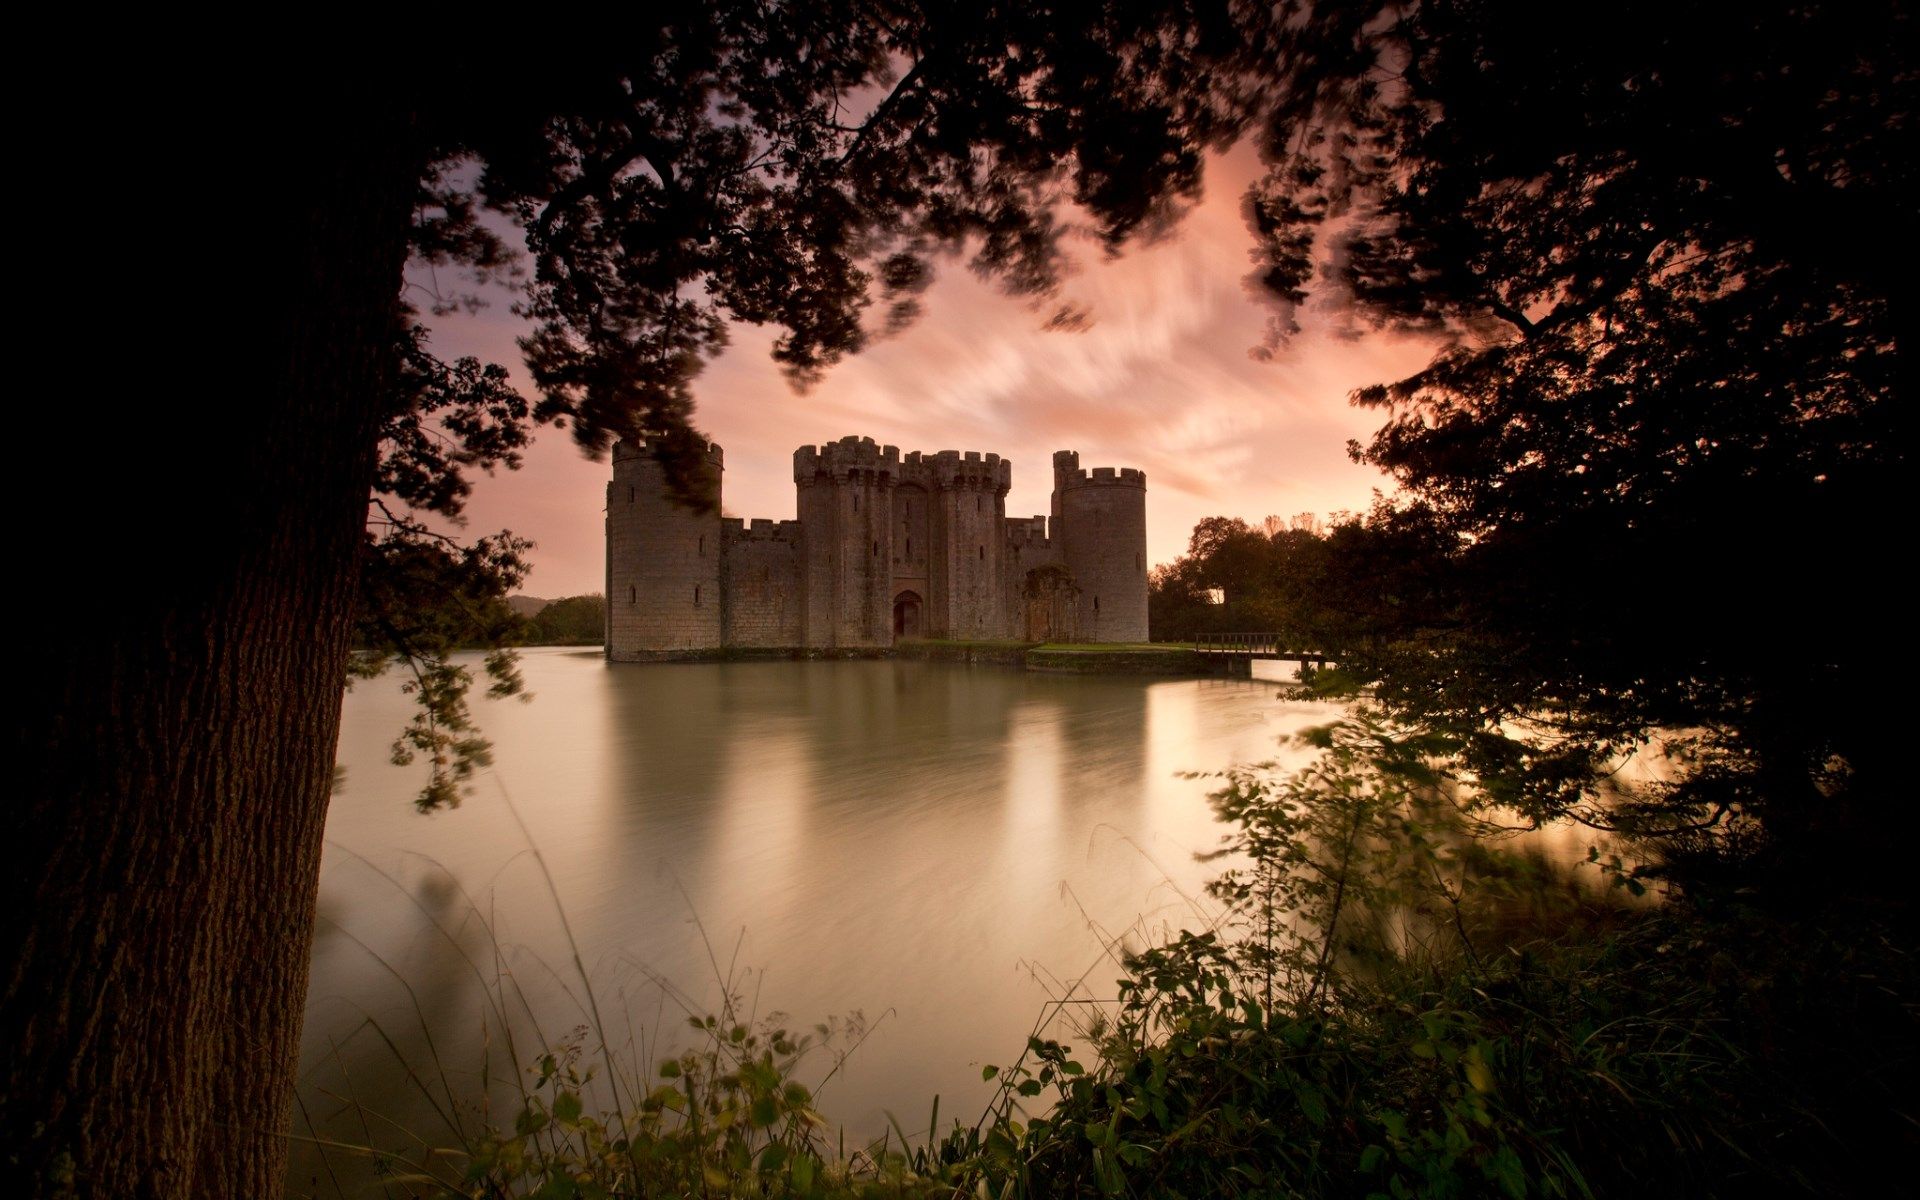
(886, 547)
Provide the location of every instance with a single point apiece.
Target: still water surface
(938, 847)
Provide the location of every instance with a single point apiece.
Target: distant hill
(527, 606)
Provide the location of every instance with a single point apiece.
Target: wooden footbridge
(1245, 647)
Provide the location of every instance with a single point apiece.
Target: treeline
(1341, 584)
(569, 621)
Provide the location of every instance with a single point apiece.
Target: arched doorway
(906, 615)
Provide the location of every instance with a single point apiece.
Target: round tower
(1103, 525)
(663, 559)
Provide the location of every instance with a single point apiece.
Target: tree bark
(175, 776)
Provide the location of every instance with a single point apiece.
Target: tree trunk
(177, 753)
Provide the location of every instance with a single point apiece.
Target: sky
(1162, 378)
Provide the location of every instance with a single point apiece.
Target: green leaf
(1311, 1104)
(764, 1112)
(1507, 1169)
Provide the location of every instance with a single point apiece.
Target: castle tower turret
(846, 517)
(1066, 468)
(1101, 523)
(969, 494)
(663, 559)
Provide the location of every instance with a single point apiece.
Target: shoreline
(1171, 659)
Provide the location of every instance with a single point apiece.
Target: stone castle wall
(760, 584)
(1105, 514)
(663, 559)
(967, 498)
(884, 546)
(846, 517)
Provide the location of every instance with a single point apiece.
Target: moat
(938, 846)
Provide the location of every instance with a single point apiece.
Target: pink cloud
(1161, 379)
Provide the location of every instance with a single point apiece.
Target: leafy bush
(1395, 1006)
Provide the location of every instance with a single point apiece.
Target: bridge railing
(1256, 645)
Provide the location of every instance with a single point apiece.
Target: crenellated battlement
(628, 450)
(848, 458)
(952, 470)
(886, 547)
(1128, 477)
(762, 529)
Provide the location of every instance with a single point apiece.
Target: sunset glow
(1161, 379)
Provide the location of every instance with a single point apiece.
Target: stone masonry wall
(846, 541)
(1104, 512)
(760, 584)
(872, 526)
(1028, 549)
(912, 541)
(967, 493)
(663, 560)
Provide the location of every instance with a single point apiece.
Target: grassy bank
(1119, 659)
(1091, 658)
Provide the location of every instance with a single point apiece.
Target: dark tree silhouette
(1666, 256)
(789, 165)
(1665, 252)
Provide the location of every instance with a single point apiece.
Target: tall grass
(1375, 999)
(1395, 1005)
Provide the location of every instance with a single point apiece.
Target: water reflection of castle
(885, 547)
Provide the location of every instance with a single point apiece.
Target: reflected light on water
(927, 843)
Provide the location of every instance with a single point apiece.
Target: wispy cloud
(1161, 379)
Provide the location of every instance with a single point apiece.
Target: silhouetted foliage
(1388, 1003)
(1348, 588)
(791, 166)
(795, 165)
(421, 599)
(788, 167)
(1665, 253)
(1661, 255)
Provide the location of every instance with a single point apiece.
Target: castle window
(856, 502)
(976, 504)
(633, 595)
(633, 493)
(1096, 604)
(703, 544)
(696, 595)
(983, 554)
(876, 549)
